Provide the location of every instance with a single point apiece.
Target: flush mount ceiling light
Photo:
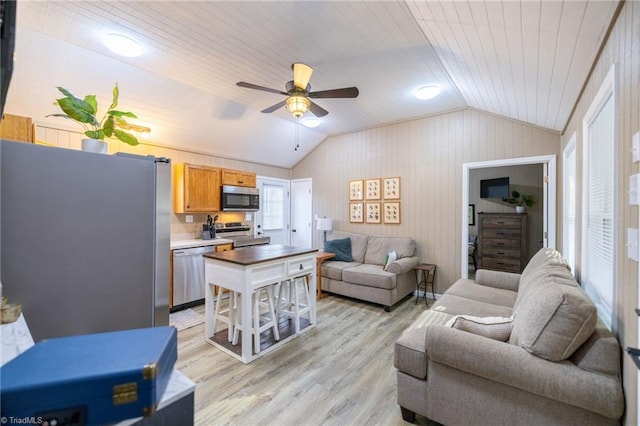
(297, 105)
(122, 45)
(311, 122)
(427, 92)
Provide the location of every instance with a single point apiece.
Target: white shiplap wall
(427, 154)
(623, 49)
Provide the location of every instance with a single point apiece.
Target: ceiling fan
(299, 93)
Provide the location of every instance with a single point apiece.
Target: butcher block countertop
(256, 254)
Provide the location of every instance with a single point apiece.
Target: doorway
(272, 219)
(301, 216)
(548, 200)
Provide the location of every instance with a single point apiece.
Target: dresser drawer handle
(301, 267)
(500, 222)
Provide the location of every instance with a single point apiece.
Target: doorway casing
(549, 199)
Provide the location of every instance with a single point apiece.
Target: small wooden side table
(428, 277)
(321, 257)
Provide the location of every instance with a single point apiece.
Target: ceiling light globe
(427, 92)
(311, 122)
(122, 45)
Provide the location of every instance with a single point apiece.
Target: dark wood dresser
(502, 241)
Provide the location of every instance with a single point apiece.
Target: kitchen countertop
(187, 243)
(256, 254)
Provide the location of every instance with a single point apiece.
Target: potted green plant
(520, 201)
(112, 124)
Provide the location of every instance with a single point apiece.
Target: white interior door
(272, 219)
(301, 206)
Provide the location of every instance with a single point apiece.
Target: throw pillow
(341, 247)
(496, 328)
(391, 256)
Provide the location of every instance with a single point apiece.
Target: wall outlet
(635, 147)
(633, 247)
(188, 218)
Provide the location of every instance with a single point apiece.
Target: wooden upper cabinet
(238, 178)
(196, 188)
(16, 128)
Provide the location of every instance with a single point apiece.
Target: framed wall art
(355, 213)
(372, 189)
(391, 188)
(373, 213)
(391, 212)
(355, 190)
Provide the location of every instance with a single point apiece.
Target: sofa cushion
(496, 328)
(391, 256)
(600, 353)
(553, 320)
(538, 267)
(379, 247)
(370, 276)
(341, 247)
(475, 292)
(457, 305)
(358, 243)
(333, 269)
(410, 355)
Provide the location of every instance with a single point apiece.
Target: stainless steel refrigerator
(84, 239)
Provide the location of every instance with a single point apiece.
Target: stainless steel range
(240, 234)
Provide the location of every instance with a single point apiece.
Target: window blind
(599, 239)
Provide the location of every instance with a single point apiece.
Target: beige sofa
(558, 365)
(364, 277)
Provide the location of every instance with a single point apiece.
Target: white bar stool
(256, 328)
(289, 303)
(227, 315)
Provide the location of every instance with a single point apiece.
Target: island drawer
(302, 266)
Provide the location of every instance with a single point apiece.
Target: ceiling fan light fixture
(297, 105)
(427, 92)
(122, 45)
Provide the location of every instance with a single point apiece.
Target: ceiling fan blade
(273, 107)
(264, 89)
(317, 110)
(347, 92)
(301, 75)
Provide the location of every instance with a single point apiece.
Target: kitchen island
(246, 269)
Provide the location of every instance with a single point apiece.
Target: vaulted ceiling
(524, 60)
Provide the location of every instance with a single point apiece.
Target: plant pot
(519, 209)
(94, 145)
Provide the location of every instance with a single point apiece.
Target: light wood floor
(340, 373)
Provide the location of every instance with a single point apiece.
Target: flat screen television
(494, 188)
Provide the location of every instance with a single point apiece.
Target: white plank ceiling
(525, 60)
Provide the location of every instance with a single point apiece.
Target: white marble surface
(188, 243)
(15, 338)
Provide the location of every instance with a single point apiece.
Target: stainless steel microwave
(240, 198)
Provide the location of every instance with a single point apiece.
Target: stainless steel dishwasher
(188, 277)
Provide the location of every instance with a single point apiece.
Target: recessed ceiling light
(311, 122)
(122, 45)
(427, 92)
